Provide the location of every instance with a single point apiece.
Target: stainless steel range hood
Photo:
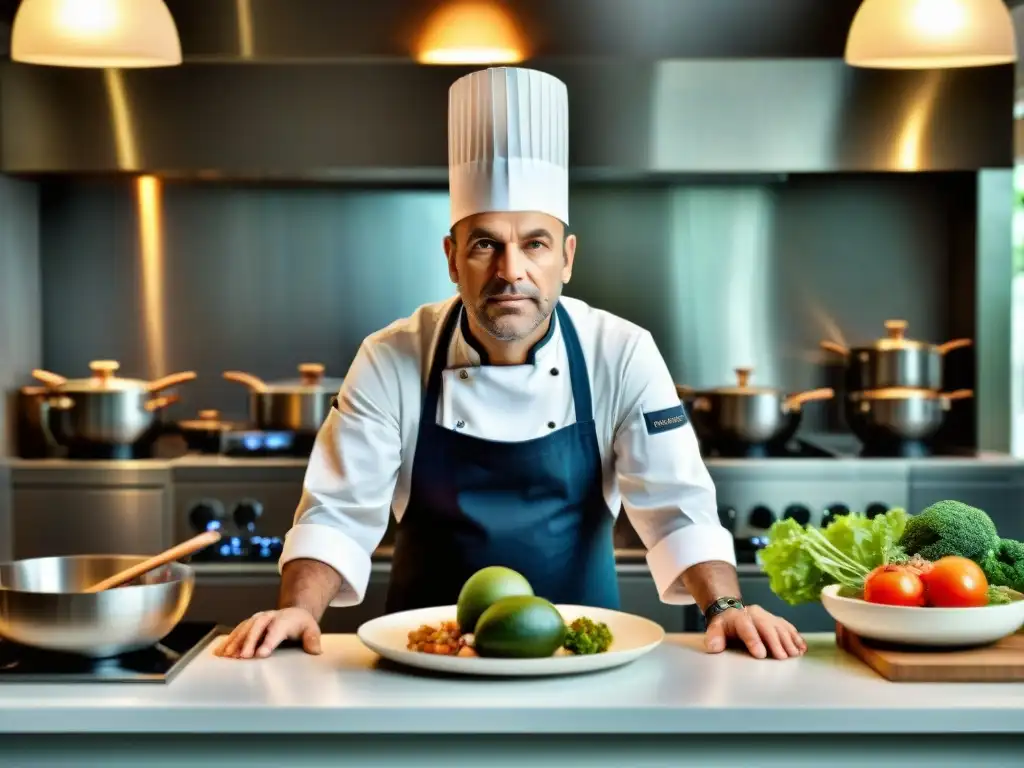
(320, 89)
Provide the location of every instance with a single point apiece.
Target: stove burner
(157, 664)
(255, 442)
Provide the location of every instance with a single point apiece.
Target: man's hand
(756, 628)
(259, 635)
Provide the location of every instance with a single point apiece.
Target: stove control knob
(832, 511)
(207, 515)
(875, 509)
(727, 517)
(247, 513)
(798, 512)
(761, 517)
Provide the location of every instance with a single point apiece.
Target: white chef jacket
(360, 469)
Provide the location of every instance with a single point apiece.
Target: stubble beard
(502, 326)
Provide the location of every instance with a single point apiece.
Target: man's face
(510, 268)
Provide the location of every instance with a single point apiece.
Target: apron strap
(580, 378)
(578, 375)
(437, 366)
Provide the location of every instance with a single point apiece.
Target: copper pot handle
(949, 346)
(311, 373)
(743, 377)
(172, 380)
(159, 403)
(794, 402)
(52, 380)
(246, 380)
(896, 329)
(958, 394)
(831, 346)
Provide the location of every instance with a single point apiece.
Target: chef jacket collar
(476, 349)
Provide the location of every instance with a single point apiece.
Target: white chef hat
(508, 143)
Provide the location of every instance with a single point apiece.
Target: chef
(507, 425)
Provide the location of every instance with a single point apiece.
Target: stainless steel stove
(159, 664)
(67, 507)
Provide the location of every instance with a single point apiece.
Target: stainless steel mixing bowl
(41, 604)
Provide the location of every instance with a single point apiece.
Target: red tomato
(956, 582)
(893, 585)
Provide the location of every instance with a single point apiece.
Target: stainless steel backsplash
(263, 278)
(20, 300)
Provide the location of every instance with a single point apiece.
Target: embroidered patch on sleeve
(665, 420)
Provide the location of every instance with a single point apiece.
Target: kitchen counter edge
(825, 692)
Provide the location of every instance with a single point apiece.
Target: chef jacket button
(554, 371)
(463, 374)
(551, 425)
(460, 424)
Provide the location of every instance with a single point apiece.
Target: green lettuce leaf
(801, 561)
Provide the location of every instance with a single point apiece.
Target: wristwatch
(721, 605)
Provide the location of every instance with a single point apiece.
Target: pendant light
(95, 33)
(931, 34)
(470, 33)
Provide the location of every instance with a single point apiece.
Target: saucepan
(741, 419)
(899, 414)
(289, 406)
(205, 433)
(44, 605)
(103, 412)
(895, 361)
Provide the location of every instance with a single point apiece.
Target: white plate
(632, 637)
(924, 626)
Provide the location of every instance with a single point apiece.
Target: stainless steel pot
(205, 433)
(898, 414)
(743, 419)
(103, 412)
(289, 406)
(895, 361)
(31, 442)
(42, 605)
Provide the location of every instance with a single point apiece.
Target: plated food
(904, 568)
(499, 616)
(499, 627)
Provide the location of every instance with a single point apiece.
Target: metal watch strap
(721, 605)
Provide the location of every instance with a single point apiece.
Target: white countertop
(676, 689)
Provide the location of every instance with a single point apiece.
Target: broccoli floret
(584, 636)
(1003, 596)
(950, 528)
(1004, 567)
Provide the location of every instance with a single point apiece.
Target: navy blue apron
(536, 506)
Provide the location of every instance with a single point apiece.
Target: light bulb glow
(931, 34)
(95, 33)
(470, 33)
(939, 18)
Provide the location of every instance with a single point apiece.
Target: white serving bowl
(924, 626)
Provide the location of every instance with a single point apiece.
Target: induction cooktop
(159, 663)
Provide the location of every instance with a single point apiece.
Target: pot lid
(311, 381)
(742, 386)
(896, 338)
(207, 419)
(103, 379)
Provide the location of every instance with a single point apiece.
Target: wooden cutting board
(1002, 662)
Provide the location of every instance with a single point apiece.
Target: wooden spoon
(201, 541)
